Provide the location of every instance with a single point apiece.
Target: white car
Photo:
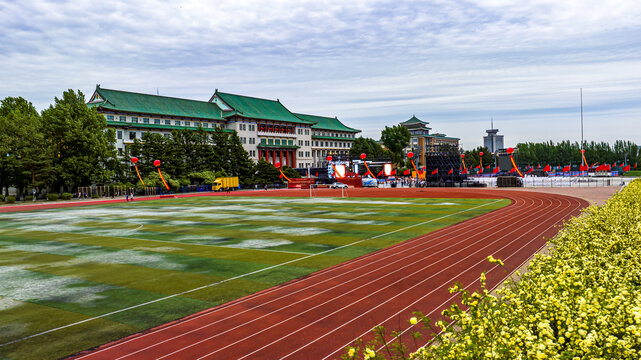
(338, 185)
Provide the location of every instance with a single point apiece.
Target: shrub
(95, 196)
(28, 198)
(1, 197)
(11, 199)
(66, 196)
(52, 197)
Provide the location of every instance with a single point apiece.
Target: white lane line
(449, 300)
(433, 238)
(352, 290)
(237, 277)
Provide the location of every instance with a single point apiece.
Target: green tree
(82, 145)
(370, 147)
(395, 139)
(25, 158)
(265, 173)
(290, 172)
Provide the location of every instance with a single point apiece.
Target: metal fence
(584, 181)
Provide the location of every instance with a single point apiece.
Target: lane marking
(237, 277)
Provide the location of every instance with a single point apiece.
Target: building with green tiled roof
(329, 137)
(424, 143)
(266, 128)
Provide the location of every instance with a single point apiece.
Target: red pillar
(267, 155)
(280, 152)
(274, 157)
(260, 152)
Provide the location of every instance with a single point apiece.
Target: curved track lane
(317, 316)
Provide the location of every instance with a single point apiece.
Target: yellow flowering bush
(580, 301)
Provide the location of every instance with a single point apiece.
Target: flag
(513, 170)
(496, 170)
(547, 168)
(481, 170)
(566, 169)
(406, 172)
(529, 170)
(435, 171)
(626, 168)
(635, 165)
(538, 166)
(460, 168)
(464, 171)
(393, 172)
(487, 167)
(451, 171)
(380, 173)
(317, 174)
(280, 176)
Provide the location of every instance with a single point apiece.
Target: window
(132, 135)
(157, 121)
(270, 141)
(300, 154)
(277, 141)
(145, 120)
(196, 124)
(306, 131)
(291, 142)
(177, 122)
(300, 142)
(205, 125)
(134, 120)
(306, 142)
(187, 123)
(167, 122)
(123, 118)
(110, 117)
(120, 151)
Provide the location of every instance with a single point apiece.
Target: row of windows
(135, 120)
(332, 144)
(303, 143)
(276, 142)
(245, 140)
(334, 134)
(301, 132)
(303, 154)
(246, 127)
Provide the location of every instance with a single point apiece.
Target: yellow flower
(369, 353)
(351, 352)
(413, 320)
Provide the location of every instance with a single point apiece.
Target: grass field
(65, 266)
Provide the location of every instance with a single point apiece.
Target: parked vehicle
(338, 185)
(225, 183)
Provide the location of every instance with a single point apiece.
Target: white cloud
(371, 63)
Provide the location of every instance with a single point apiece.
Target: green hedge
(632, 173)
(1, 197)
(66, 196)
(52, 197)
(11, 199)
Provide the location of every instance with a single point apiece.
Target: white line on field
(239, 276)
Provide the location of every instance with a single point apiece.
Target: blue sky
(455, 64)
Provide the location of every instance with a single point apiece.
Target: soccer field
(71, 279)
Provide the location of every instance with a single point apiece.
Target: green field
(63, 266)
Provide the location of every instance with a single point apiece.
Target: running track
(315, 317)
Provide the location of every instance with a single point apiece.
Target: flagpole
(581, 93)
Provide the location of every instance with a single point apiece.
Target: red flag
(450, 172)
(317, 174)
(496, 170)
(460, 168)
(393, 172)
(566, 169)
(435, 171)
(583, 168)
(529, 170)
(538, 166)
(487, 167)
(280, 176)
(635, 165)
(406, 172)
(380, 173)
(513, 170)
(464, 171)
(481, 170)
(608, 168)
(626, 168)
(477, 167)
(547, 168)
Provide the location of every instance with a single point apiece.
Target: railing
(584, 181)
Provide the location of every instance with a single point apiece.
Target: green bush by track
(582, 301)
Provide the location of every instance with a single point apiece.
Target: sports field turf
(65, 266)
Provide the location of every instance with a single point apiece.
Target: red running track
(316, 317)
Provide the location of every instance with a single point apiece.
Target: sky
(454, 64)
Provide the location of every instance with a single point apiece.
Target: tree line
(69, 145)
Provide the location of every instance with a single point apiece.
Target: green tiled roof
(257, 108)
(414, 120)
(326, 123)
(131, 102)
(274, 146)
(160, 126)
